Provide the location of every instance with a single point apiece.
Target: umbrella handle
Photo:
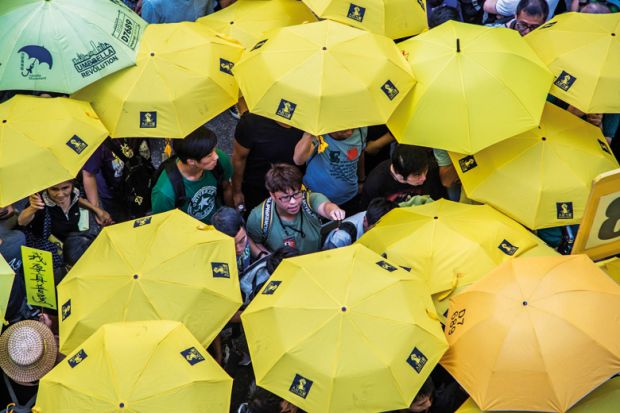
(455, 283)
(432, 314)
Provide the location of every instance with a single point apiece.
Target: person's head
(442, 14)
(229, 221)
(263, 401)
(424, 399)
(595, 8)
(198, 149)
(278, 255)
(74, 246)
(529, 15)
(377, 208)
(283, 181)
(60, 193)
(342, 134)
(410, 164)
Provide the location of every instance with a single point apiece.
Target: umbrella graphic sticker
(36, 55)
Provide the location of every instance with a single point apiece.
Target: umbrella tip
(458, 45)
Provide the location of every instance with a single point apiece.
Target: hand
(36, 201)
(238, 199)
(336, 213)
(595, 118)
(103, 218)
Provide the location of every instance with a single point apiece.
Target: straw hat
(27, 351)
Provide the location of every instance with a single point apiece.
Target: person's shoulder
(316, 199)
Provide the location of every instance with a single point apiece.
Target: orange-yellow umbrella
(536, 334)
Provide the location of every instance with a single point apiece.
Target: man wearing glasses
(529, 15)
(290, 216)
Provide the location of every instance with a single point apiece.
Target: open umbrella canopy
(549, 170)
(64, 45)
(535, 334)
(343, 330)
(44, 141)
(248, 21)
(583, 52)
(139, 367)
(324, 77)
(167, 266)
(392, 18)
(476, 86)
(6, 283)
(448, 244)
(182, 79)
(605, 399)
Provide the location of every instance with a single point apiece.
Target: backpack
(137, 181)
(176, 179)
(266, 217)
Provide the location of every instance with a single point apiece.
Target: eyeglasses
(519, 25)
(294, 195)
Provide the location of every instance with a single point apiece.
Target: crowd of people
(282, 192)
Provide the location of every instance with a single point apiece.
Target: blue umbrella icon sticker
(37, 55)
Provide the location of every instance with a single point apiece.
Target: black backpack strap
(176, 179)
(265, 219)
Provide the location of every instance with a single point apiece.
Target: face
(207, 163)
(289, 201)
(60, 193)
(421, 404)
(413, 179)
(342, 134)
(241, 239)
(526, 23)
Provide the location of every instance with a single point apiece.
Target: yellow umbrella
(6, 283)
(44, 141)
(392, 18)
(138, 367)
(605, 399)
(548, 170)
(476, 86)
(324, 77)
(612, 268)
(536, 334)
(448, 244)
(583, 52)
(167, 266)
(248, 21)
(182, 79)
(343, 331)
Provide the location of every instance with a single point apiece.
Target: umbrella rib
(146, 363)
(610, 352)
(297, 343)
(510, 90)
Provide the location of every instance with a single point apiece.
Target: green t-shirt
(201, 195)
(283, 232)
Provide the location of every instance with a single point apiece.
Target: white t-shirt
(509, 7)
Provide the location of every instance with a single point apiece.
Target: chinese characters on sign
(39, 277)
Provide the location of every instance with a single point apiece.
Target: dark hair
(283, 177)
(442, 14)
(263, 401)
(278, 255)
(75, 246)
(427, 389)
(377, 208)
(227, 220)
(196, 145)
(533, 8)
(409, 160)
